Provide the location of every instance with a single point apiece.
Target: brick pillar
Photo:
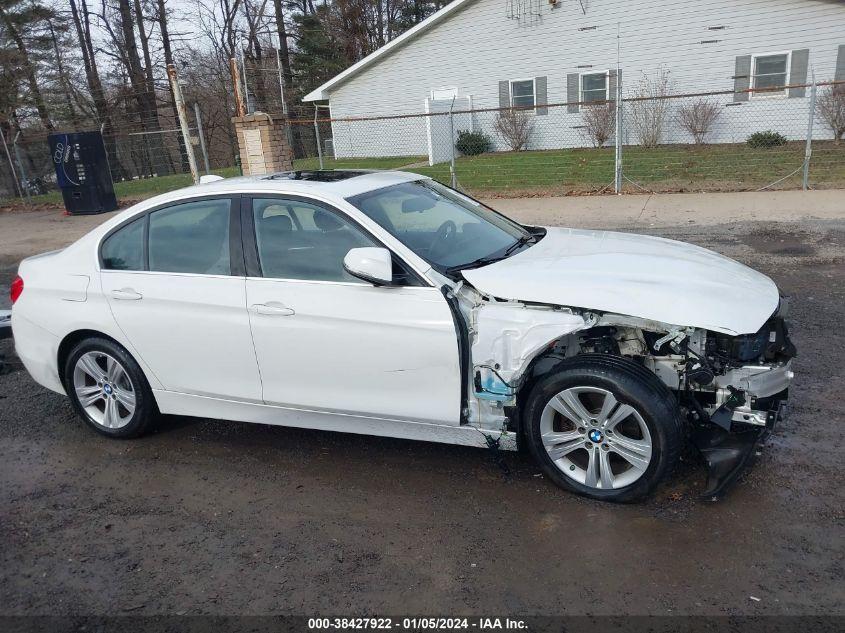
(262, 144)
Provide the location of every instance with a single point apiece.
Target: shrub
(599, 122)
(515, 127)
(649, 111)
(761, 140)
(698, 118)
(471, 143)
(831, 108)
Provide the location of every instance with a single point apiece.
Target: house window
(770, 72)
(522, 94)
(594, 87)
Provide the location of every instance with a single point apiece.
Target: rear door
(174, 279)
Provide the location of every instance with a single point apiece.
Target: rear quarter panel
(62, 295)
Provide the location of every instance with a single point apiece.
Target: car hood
(635, 275)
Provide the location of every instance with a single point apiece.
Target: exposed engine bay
(732, 389)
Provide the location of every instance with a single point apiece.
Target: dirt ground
(209, 517)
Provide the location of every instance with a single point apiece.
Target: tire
(615, 449)
(108, 389)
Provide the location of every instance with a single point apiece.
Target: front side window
(522, 94)
(594, 87)
(298, 240)
(444, 227)
(770, 73)
(124, 249)
(191, 238)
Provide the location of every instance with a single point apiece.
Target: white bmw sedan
(385, 303)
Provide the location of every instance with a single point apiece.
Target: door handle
(126, 294)
(272, 308)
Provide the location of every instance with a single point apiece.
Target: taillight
(16, 289)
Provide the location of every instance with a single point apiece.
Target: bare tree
(144, 37)
(167, 47)
(82, 23)
(65, 87)
(650, 108)
(284, 48)
(515, 127)
(831, 108)
(13, 27)
(145, 98)
(599, 122)
(698, 118)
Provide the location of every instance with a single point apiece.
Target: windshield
(444, 227)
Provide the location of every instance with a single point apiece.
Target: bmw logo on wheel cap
(107, 389)
(596, 436)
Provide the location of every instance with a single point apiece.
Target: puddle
(781, 243)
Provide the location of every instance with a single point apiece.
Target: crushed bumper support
(727, 451)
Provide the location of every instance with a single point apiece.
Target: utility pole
(236, 84)
(182, 111)
(201, 136)
(617, 178)
(246, 85)
(808, 147)
(453, 181)
(317, 135)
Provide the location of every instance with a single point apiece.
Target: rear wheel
(603, 427)
(108, 389)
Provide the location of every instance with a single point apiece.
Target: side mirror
(371, 264)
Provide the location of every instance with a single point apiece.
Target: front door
(178, 294)
(329, 342)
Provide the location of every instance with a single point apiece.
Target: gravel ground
(208, 517)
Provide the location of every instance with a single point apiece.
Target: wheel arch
(72, 339)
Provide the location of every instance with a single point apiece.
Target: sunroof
(319, 175)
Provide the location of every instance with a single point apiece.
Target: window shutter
(798, 71)
(612, 80)
(573, 90)
(541, 99)
(839, 75)
(504, 94)
(742, 78)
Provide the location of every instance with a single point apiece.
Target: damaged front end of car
(732, 389)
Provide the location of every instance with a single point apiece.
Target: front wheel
(604, 427)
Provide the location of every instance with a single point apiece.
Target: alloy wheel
(104, 390)
(594, 439)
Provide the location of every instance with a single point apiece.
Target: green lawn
(556, 172)
(667, 168)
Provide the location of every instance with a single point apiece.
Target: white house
(537, 53)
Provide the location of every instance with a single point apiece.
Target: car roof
(341, 183)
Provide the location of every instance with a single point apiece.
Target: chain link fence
(703, 141)
(146, 155)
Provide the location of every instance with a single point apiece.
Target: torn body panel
(731, 388)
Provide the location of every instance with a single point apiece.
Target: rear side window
(124, 249)
(191, 238)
